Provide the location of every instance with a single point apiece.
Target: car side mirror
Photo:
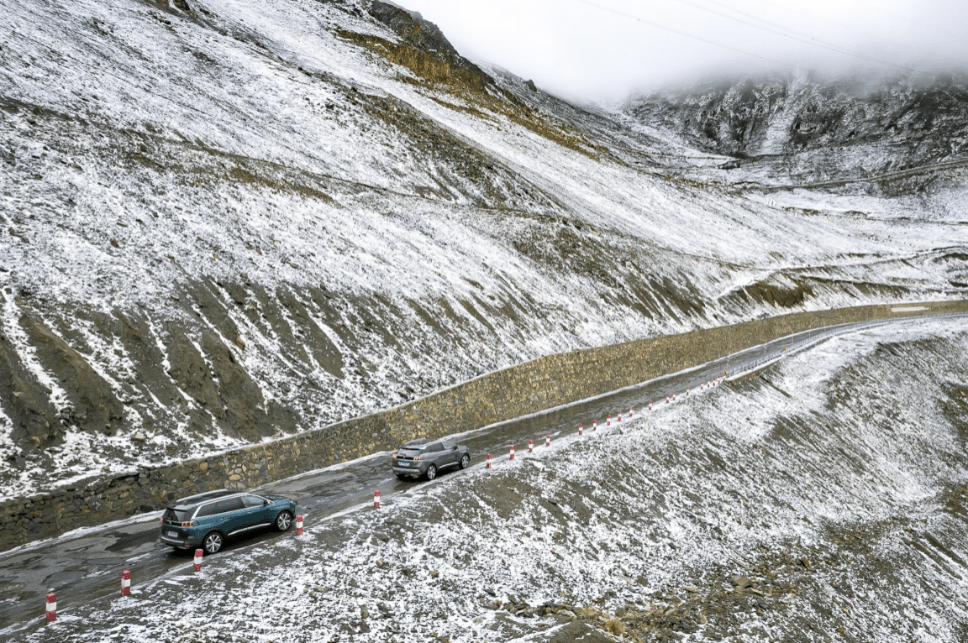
(265, 503)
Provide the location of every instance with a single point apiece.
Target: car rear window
(412, 451)
(178, 515)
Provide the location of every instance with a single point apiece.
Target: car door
(451, 453)
(436, 453)
(231, 514)
(257, 512)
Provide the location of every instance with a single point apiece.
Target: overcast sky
(603, 50)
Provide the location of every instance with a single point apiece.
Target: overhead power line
(677, 31)
(782, 31)
(769, 27)
(777, 25)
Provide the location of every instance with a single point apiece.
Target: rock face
(921, 119)
(426, 39)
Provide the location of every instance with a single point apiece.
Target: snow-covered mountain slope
(812, 128)
(225, 221)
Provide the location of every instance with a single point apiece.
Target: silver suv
(428, 457)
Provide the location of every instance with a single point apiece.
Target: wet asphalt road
(88, 567)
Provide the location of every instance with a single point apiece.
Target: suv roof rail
(201, 497)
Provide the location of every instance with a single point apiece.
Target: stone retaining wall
(540, 384)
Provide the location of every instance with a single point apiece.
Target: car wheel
(212, 543)
(466, 460)
(431, 472)
(283, 520)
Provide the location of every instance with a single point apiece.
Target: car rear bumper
(407, 471)
(181, 543)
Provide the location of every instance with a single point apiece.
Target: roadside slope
(822, 498)
(514, 392)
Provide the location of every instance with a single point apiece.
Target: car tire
(212, 542)
(464, 461)
(283, 521)
(431, 472)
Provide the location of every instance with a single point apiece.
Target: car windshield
(179, 514)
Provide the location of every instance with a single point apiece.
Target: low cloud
(604, 50)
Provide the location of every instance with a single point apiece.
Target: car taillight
(394, 456)
(161, 518)
(192, 523)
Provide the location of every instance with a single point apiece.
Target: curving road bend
(87, 564)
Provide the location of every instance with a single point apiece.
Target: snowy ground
(821, 498)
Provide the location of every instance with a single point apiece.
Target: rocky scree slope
(225, 222)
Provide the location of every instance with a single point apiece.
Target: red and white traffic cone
(579, 429)
(608, 420)
(650, 405)
(667, 398)
(530, 446)
(548, 440)
(673, 396)
(512, 451)
(631, 411)
(376, 499)
(299, 527)
(594, 425)
(619, 417)
(198, 559)
(125, 583)
(51, 607)
(488, 461)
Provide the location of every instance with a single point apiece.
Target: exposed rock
(579, 632)
(791, 114)
(426, 37)
(741, 581)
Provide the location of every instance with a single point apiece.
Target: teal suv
(208, 519)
